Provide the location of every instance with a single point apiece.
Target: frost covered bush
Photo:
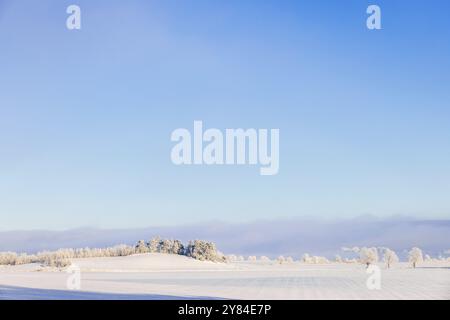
(57, 262)
(121, 250)
(231, 258)
(234, 258)
(338, 259)
(289, 260)
(319, 260)
(415, 256)
(58, 259)
(390, 257)
(306, 258)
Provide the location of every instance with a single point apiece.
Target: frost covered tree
(121, 250)
(389, 257)
(171, 246)
(337, 258)
(153, 244)
(289, 260)
(178, 247)
(166, 246)
(203, 250)
(141, 247)
(8, 258)
(197, 249)
(57, 262)
(368, 256)
(264, 258)
(306, 258)
(415, 256)
(319, 260)
(281, 259)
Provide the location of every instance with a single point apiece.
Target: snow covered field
(163, 276)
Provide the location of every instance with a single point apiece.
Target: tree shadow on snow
(22, 293)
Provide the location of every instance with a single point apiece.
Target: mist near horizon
(292, 237)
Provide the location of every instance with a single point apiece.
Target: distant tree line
(204, 251)
(366, 256)
(197, 249)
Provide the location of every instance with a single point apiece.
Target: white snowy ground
(161, 276)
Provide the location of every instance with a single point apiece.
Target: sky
(86, 115)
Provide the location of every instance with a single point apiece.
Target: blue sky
(86, 116)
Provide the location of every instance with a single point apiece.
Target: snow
(165, 276)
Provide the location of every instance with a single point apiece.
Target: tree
(166, 246)
(281, 260)
(368, 255)
(390, 257)
(306, 258)
(141, 247)
(177, 247)
(415, 256)
(203, 250)
(319, 260)
(153, 244)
